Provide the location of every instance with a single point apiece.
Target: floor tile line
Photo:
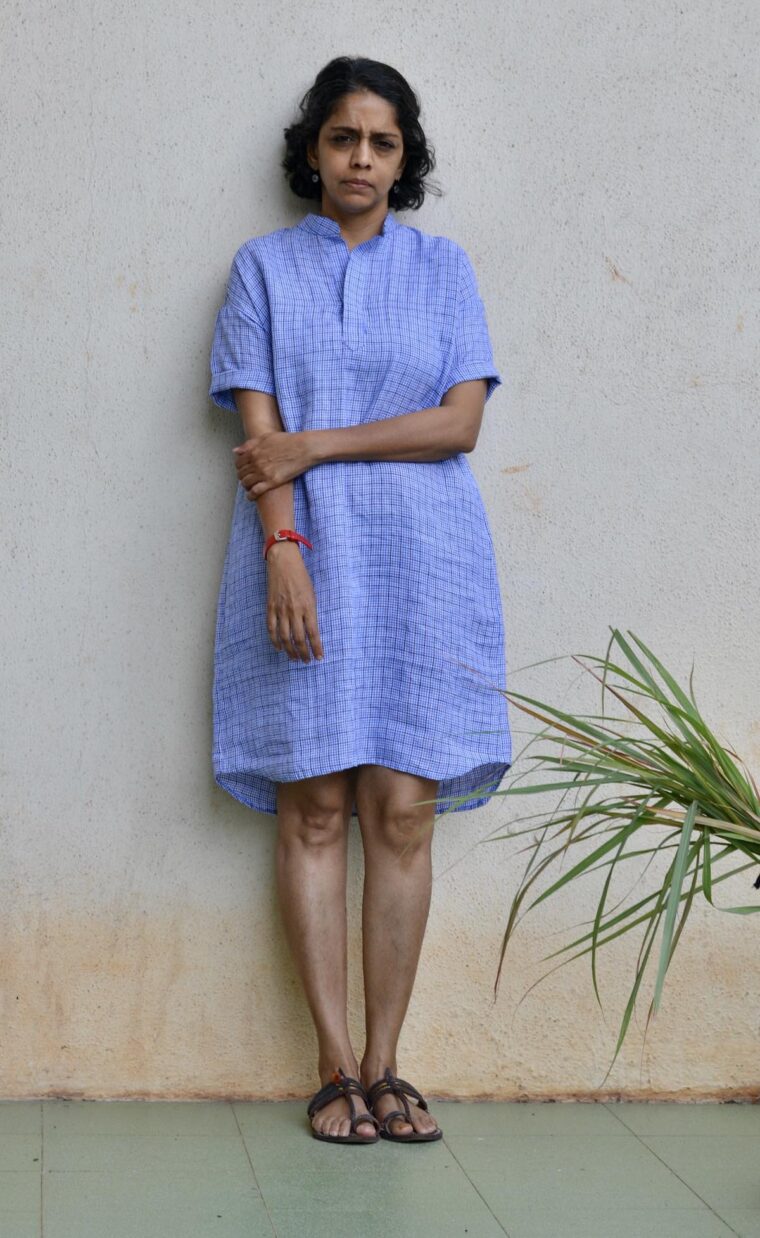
(253, 1170)
(688, 1185)
(477, 1190)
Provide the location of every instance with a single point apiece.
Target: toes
(424, 1123)
(364, 1119)
(341, 1126)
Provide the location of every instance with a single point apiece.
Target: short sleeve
(471, 355)
(241, 351)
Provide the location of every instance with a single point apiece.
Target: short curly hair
(342, 76)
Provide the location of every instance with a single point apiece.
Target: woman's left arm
(427, 434)
(270, 459)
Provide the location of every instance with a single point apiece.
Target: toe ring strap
(391, 1117)
(358, 1118)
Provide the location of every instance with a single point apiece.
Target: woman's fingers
(310, 623)
(292, 611)
(289, 633)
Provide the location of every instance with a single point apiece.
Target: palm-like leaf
(674, 775)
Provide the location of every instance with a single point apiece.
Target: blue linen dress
(408, 602)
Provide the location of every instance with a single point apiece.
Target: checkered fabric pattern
(403, 566)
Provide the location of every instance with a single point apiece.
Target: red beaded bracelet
(285, 535)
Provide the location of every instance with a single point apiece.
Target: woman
(359, 650)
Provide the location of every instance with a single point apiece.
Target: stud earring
(315, 176)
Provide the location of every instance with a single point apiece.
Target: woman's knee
(315, 812)
(390, 814)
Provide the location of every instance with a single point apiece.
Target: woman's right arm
(259, 413)
(291, 607)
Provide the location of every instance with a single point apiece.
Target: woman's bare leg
(397, 886)
(313, 819)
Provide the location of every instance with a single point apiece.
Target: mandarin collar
(323, 225)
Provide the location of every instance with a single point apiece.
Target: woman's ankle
(328, 1063)
(372, 1066)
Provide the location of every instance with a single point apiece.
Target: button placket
(351, 305)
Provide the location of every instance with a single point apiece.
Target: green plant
(676, 778)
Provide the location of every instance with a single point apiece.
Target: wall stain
(616, 272)
(169, 999)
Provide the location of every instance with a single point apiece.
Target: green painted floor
(137, 1169)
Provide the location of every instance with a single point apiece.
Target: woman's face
(360, 140)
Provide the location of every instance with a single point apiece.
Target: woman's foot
(334, 1118)
(422, 1120)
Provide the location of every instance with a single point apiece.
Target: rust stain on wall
(180, 1001)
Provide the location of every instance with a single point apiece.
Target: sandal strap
(342, 1085)
(379, 1089)
(410, 1090)
(392, 1083)
(328, 1092)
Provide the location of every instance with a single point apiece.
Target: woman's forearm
(427, 434)
(259, 413)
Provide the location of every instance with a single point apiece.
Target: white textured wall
(600, 166)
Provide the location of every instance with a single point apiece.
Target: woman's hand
(271, 459)
(292, 604)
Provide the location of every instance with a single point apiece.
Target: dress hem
(228, 782)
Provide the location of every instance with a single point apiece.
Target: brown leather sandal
(343, 1085)
(392, 1083)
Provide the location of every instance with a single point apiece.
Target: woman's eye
(343, 137)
